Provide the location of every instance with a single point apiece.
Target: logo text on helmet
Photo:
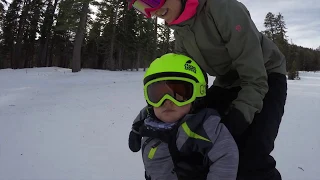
(203, 89)
(189, 67)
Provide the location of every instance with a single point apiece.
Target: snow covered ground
(56, 125)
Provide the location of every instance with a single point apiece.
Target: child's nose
(167, 103)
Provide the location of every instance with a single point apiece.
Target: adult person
(250, 87)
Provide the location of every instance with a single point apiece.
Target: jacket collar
(192, 8)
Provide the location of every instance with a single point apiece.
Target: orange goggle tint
(179, 90)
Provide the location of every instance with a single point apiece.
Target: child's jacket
(200, 148)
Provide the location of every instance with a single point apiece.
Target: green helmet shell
(177, 65)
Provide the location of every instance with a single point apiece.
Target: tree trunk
(111, 61)
(132, 64)
(48, 61)
(120, 59)
(76, 60)
(155, 38)
(138, 60)
(167, 39)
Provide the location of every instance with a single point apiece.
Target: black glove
(134, 142)
(134, 136)
(235, 121)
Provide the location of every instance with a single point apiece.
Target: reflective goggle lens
(179, 90)
(146, 6)
(141, 7)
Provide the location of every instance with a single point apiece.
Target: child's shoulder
(203, 116)
(204, 123)
(203, 128)
(208, 112)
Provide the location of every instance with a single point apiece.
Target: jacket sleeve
(137, 122)
(241, 37)
(223, 154)
(134, 135)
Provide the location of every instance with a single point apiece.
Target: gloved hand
(135, 140)
(134, 136)
(235, 121)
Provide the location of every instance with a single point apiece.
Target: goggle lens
(179, 90)
(146, 6)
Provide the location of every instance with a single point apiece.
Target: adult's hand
(235, 121)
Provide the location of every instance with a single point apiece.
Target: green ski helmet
(174, 77)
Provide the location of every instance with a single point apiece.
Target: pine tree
(64, 33)
(17, 49)
(109, 58)
(3, 2)
(30, 35)
(164, 39)
(269, 24)
(317, 59)
(2, 13)
(293, 73)
(10, 27)
(276, 31)
(280, 37)
(126, 38)
(46, 34)
(100, 35)
(93, 46)
(293, 56)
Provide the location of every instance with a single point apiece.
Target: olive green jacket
(222, 38)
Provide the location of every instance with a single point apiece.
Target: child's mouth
(168, 110)
(164, 13)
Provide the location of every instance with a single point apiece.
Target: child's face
(169, 112)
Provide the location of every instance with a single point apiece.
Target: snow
(55, 124)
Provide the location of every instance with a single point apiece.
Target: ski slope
(59, 125)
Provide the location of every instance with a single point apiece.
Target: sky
(302, 18)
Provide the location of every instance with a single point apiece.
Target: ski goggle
(146, 6)
(181, 91)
